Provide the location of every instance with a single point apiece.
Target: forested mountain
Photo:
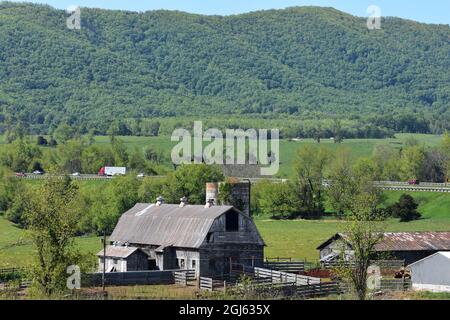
(305, 62)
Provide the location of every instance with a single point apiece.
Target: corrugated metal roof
(414, 241)
(167, 225)
(118, 251)
(407, 241)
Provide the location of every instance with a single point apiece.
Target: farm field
(300, 238)
(288, 149)
(16, 249)
(293, 238)
(304, 236)
(287, 239)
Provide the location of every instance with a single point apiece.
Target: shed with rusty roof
(408, 246)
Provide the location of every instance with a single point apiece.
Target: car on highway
(20, 174)
(141, 175)
(38, 172)
(414, 182)
(76, 174)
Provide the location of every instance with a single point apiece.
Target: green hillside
(431, 204)
(302, 62)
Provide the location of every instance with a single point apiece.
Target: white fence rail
(283, 277)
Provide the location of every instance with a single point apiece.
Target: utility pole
(104, 262)
(249, 197)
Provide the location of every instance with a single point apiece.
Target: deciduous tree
(52, 219)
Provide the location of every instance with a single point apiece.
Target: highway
(385, 185)
(32, 176)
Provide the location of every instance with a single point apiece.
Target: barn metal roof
(406, 241)
(117, 251)
(167, 225)
(414, 241)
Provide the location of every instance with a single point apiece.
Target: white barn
(432, 273)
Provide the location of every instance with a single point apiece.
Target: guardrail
(61, 176)
(416, 189)
(402, 183)
(31, 176)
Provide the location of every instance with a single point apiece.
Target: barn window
(193, 264)
(231, 221)
(209, 237)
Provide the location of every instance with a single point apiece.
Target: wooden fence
(182, 277)
(12, 270)
(206, 283)
(130, 278)
(210, 284)
(273, 287)
(383, 264)
(287, 266)
(283, 277)
(389, 264)
(318, 290)
(395, 284)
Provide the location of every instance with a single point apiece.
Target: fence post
(225, 285)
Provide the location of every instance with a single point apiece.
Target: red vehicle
(413, 182)
(20, 174)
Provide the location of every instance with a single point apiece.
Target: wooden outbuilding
(212, 240)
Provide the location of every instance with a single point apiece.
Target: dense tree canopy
(307, 62)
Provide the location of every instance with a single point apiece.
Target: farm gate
(182, 277)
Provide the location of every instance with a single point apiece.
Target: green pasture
(292, 238)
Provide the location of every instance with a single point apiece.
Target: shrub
(405, 209)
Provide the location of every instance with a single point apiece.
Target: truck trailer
(112, 171)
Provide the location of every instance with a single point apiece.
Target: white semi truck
(112, 171)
